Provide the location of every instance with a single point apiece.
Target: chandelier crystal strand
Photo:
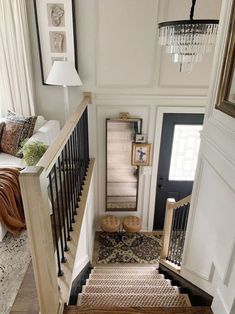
(188, 40)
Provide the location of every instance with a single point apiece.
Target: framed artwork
(226, 92)
(55, 22)
(141, 154)
(140, 138)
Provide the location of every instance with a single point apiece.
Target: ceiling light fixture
(188, 40)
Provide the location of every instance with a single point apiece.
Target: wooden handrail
(180, 203)
(52, 153)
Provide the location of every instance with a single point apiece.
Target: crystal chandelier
(188, 40)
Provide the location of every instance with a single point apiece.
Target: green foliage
(33, 151)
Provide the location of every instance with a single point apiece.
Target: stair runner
(129, 287)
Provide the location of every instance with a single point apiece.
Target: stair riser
(118, 282)
(134, 300)
(126, 276)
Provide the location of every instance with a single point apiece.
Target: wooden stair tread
(137, 310)
(141, 300)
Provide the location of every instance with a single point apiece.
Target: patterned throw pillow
(1, 129)
(11, 135)
(28, 126)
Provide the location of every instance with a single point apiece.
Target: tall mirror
(121, 177)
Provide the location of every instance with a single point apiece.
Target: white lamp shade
(63, 73)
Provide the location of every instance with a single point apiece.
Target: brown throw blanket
(11, 207)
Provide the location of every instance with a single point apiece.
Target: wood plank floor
(26, 299)
(182, 310)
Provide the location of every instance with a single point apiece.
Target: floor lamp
(63, 73)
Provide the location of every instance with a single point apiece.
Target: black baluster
(62, 193)
(87, 136)
(68, 185)
(68, 218)
(76, 167)
(71, 179)
(182, 220)
(63, 258)
(176, 236)
(74, 171)
(78, 161)
(60, 272)
(169, 255)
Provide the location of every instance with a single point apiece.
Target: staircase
(129, 287)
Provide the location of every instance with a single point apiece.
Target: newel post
(35, 200)
(167, 227)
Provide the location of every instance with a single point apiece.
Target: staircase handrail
(171, 205)
(34, 190)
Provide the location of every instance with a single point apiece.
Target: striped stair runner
(129, 287)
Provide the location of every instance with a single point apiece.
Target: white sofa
(46, 134)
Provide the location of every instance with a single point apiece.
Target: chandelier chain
(192, 9)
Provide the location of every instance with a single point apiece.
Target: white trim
(156, 151)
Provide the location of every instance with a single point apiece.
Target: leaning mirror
(226, 93)
(121, 177)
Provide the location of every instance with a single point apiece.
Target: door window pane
(184, 154)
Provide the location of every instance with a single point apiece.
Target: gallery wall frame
(56, 33)
(141, 154)
(226, 92)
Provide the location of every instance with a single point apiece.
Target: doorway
(179, 149)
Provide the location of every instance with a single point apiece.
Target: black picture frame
(48, 26)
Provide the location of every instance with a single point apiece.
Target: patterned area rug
(14, 261)
(129, 248)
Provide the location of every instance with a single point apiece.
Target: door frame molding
(156, 153)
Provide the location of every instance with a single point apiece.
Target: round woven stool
(131, 224)
(110, 223)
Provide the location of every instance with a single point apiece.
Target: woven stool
(110, 223)
(131, 224)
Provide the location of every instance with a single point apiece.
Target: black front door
(177, 162)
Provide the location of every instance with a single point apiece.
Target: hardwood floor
(173, 310)
(26, 299)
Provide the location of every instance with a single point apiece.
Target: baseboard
(78, 282)
(197, 296)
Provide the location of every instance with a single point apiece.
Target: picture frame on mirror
(226, 92)
(141, 154)
(55, 23)
(140, 138)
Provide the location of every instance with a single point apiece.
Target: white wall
(209, 257)
(123, 66)
(130, 72)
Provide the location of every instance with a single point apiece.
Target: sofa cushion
(27, 131)
(29, 123)
(11, 136)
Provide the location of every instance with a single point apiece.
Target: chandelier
(188, 40)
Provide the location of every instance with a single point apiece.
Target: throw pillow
(1, 129)
(28, 126)
(11, 136)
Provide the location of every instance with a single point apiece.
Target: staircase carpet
(126, 276)
(137, 310)
(124, 270)
(132, 289)
(130, 300)
(130, 282)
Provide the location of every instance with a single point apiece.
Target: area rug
(131, 248)
(14, 261)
